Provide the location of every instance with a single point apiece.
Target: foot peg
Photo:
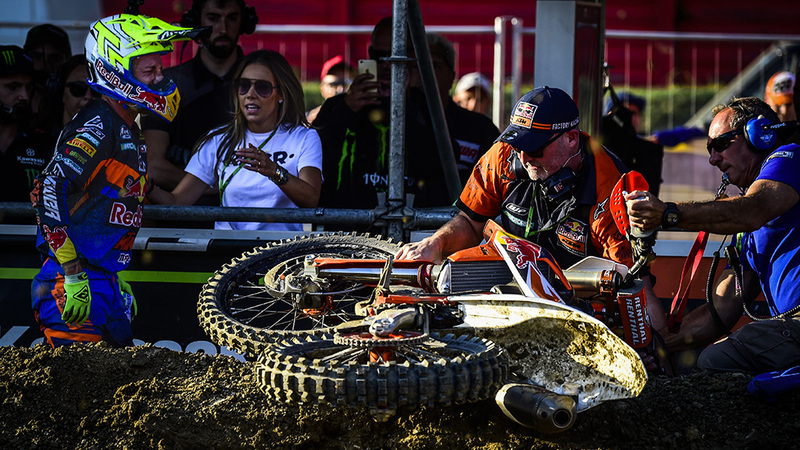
(535, 407)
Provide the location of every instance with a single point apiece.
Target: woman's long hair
(291, 112)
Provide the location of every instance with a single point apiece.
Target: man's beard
(19, 113)
(221, 51)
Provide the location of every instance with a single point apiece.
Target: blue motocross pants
(108, 319)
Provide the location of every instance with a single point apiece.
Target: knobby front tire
(236, 310)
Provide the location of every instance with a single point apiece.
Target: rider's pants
(107, 315)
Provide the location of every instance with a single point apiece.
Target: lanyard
(528, 232)
(224, 184)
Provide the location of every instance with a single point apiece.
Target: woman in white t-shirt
(267, 156)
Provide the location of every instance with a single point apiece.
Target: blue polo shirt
(773, 251)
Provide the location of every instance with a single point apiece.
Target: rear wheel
(237, 310)
(435, 370)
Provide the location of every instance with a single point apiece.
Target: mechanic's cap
(14, 60)
(471, 80)
(780, 88)
(537, 116)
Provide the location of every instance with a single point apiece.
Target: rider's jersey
(773, 251)
(88, 200)
(574, 226)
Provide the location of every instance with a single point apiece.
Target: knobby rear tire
(450, 370)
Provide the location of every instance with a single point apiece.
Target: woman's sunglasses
(78, 89)
(263, 87)
(723, 141)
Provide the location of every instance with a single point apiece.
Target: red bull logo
(527, 253)
(151, 100)
(134, 188)
(523, 114)
(121, 216)
(56, 237)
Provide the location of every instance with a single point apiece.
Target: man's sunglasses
(723, 141)
(263, 87)
(78, 89)
(539, 152)
(378, 54)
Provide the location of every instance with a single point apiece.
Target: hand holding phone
(369, 66)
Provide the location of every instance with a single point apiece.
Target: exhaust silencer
(535, 407)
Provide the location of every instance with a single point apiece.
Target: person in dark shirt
(354, 129)
(23, 153)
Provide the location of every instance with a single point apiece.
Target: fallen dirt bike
(334, 319)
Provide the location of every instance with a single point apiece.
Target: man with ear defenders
(205, 86)
(743, 144)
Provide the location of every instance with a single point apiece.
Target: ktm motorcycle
(333, 318)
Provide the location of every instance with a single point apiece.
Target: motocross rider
(549, 182)
(88, 200)
(743, 143)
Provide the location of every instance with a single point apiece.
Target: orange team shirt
(493, 176)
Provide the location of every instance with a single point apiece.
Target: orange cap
(780, 89)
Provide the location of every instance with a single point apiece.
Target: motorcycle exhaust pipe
(535, 407)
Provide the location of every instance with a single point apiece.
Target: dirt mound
(147, 397)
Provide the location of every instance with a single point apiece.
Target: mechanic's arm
(765, 200)
(164, 173)
(699, 328)
(459, 233)
(187, 192)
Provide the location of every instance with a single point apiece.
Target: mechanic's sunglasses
(263, 87)
(539, 152)
(78, 89)
(723, 141)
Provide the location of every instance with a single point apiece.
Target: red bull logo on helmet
(152, 101)
(112, 78)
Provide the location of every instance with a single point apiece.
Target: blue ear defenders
(761, 134)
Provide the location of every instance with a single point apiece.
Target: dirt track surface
(147, 397)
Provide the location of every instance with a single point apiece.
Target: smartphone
(369, 66)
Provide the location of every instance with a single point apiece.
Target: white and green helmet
(112, 45)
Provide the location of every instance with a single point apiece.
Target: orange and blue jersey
(88, 200)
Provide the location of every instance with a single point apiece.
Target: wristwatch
(281, 176)
(671, 216)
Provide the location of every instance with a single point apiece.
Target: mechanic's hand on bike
(427, 249)
(125, 288)
(78, 298)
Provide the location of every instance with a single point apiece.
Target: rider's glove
(130, 299)
(79, 298)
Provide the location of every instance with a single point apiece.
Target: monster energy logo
(8, 57)
(32, 174)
